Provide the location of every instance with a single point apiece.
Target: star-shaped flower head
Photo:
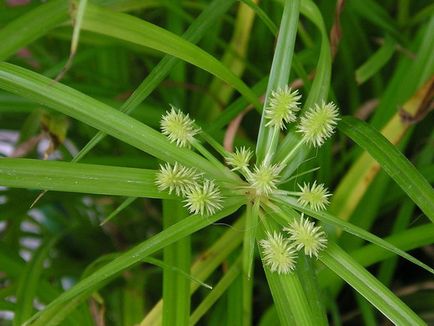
(315, 196)
(305, 234)
(264, 178)
(283, 105)
(204, 199)
(319, 123)
(178, 127)
(240, 159)
(176, 178)
(278, 254)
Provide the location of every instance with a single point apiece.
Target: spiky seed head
(176, 178)
(305, 234)
(178, 127)
(240, 159)
(315, 196)
(204, 199)
(282, 107)
(278, 254)
(319, 123)
(264, 178)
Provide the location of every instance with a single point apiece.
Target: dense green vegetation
(118, 209)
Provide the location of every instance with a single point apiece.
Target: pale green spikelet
(305, 234)
(177, 178)
(318, 123)
(178, 127)
(315, 196)
(264, 178)
(240, 159)
(204, 199)
(282, 108)
(278, 254)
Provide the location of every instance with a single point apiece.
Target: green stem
(291, 154)
(213, 143)
(272, 142)
(212, 159)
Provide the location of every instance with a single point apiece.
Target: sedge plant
(237, 186)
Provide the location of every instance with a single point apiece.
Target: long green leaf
(28, 283)
(262, 15)
(31, 26)
(193, 34)
(279, 74)
(370, 254)
(78, 177)
(176, 287)
(216, 292)
(127, 202)
(137, 31)
(350, 228)
(96, 114)
(376, 61)
(205, 264)
(320, 86)
(321, 83)
(248, 256)
(396, 165)
(133, 256)
(367, 285)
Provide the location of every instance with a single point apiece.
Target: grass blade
(31, 26)
(101, 116)
(216, 292)
(370, 254)
(127, 202)
(359, 176)
(78, 177)
(350, 228)
(393, 162)
(176, 287)
(205, 264)
(279, 73)
(133, 256)
(28, 283)
(263, 16)
(367, 285)
(137, 31)
(193, 34)
(78, 14)
(376, 61)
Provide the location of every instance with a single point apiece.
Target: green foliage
(97, 229)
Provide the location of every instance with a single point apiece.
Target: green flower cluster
(201, 196)
(280, 253)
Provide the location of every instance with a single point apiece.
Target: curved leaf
(396, 165)
(31, 26)
(28, 283)
(68, 101)
(367, 285)
(279, 74)
(137, 31)
(350, 228)
(133, 256)
(78, 177)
